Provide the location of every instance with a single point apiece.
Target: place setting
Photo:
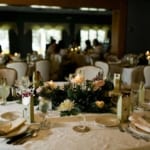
(88, 122)
(82, 125)
(11, 125)
(15, 130)
(107, 120)
(140, 124)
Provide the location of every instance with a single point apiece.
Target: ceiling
(52, 10)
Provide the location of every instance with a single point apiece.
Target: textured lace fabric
(61, 136)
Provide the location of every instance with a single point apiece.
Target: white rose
(67, 105)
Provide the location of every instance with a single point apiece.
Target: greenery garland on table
(90, 96)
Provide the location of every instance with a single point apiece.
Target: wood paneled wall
(119, 14)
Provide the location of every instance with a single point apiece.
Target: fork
(19, 138)
(136, 135)
(33, 133)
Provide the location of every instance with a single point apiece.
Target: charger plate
(141, 120)
(138, 131)
(23, 128)
(108, 120)
(10, 115)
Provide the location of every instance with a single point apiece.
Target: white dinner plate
(108, 120)
(138, 131)
(141, 120)
(10, 116)
(17, 131)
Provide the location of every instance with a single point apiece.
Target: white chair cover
(137, 75)
(147, 76)
(9, 74)
(89, 72)
(104, 66)
(20, 67)
(43, 66)
(55, 62)
(126, 76)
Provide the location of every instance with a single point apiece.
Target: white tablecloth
(61, 136)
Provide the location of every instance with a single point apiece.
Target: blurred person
(62, 48)
(55, 62)
(51, 48)
(88, 47)
(98, 50)
(142, 60)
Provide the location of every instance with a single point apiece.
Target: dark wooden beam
(109, 4)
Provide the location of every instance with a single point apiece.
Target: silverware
(34, 133)
(137, 136)
(17, 137)
(20, 138)
(133, 134)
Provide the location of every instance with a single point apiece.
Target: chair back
(147, 76)
(104, 66)
(20, 67)
(55, 63)
(43, 66)
(89, 72)
(137, 75)
(9, 74)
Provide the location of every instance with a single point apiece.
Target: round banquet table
(61, 135)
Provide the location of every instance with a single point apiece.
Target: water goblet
(83, 123)
(44, 108)
(4, 93)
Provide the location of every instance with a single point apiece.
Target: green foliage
(74, 111)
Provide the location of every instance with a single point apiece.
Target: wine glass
(83, 122)
(134, 99)
(25, 82)
(4, 93)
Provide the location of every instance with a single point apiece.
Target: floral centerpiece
(79, 95)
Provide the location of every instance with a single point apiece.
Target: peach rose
(39, 89)
(100, 104)
(78, 79)
(97, 84)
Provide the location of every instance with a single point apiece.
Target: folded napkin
(8, 126)
(138, 119)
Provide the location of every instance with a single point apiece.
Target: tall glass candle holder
(28, 111)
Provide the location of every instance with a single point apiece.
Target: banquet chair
(147, 76)
(20, 67)
(55, 63)
(89, 72)
(104, 66)
(9, 74)
(43, 66)
(137, 76)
